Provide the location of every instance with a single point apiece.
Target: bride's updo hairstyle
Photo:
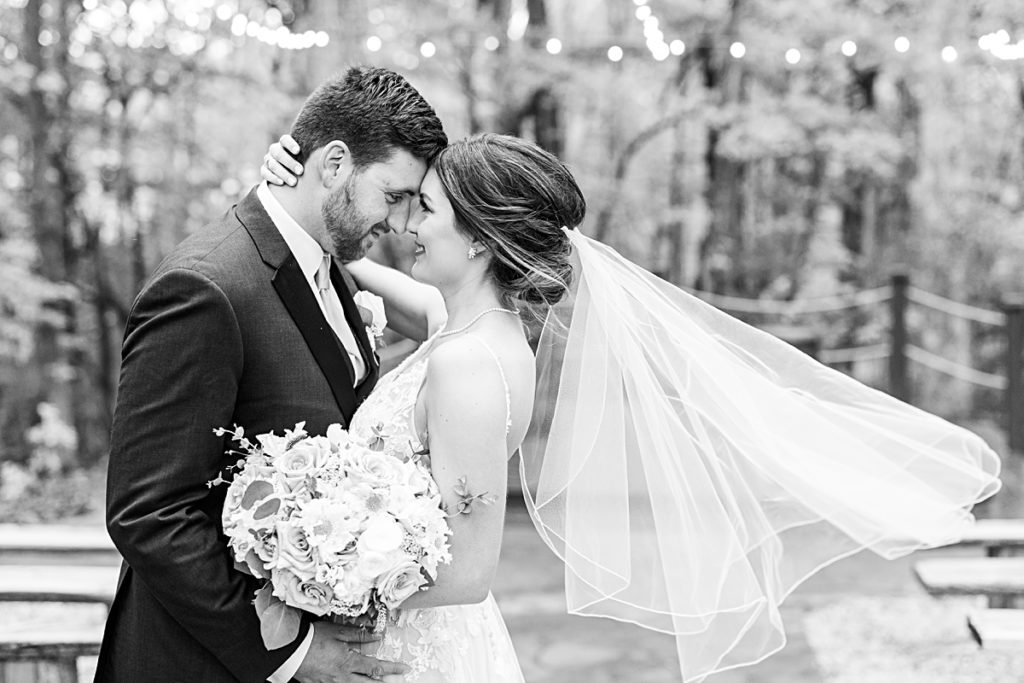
(514, 198)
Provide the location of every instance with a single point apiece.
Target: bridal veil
(691, 470)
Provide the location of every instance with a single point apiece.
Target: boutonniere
(371, 310)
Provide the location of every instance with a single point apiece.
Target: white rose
(402, 503)
(338, 436)
(372, 564)
(294, 552)
(311, 596)
(373, 468)
(398, 583)
(272, 444)
(303, 459)
(382, 535)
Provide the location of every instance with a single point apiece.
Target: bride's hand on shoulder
(280, 167)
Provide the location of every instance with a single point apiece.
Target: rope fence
(953, 369)
(898, 350)
(825, 304)
(853, 354)
(955, 308)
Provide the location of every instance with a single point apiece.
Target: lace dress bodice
(451, 644)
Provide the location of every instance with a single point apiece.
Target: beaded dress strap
(504, 381)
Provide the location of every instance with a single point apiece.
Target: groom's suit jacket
(226, 332)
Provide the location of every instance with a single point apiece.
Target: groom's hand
(333, 659)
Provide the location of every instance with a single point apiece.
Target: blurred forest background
(762, 149)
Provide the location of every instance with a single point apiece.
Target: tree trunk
(675, 228)
(723, 251)
(44, 209)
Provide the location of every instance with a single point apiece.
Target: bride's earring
(471, 254)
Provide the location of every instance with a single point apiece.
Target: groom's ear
(334, 163)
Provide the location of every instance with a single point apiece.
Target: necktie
(335, 315)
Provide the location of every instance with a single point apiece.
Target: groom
(250, 321)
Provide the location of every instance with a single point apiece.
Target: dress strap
(504, 381)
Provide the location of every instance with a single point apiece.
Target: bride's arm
(466, 414)
(414, 310)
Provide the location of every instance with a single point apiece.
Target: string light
(999, 45)
(272, 32)
(660, 50)
(275, 33)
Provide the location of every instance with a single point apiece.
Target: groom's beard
(347, 227)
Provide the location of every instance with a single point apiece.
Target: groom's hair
(373, 111)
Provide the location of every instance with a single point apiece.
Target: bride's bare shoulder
(482, 357)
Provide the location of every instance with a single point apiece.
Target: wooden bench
(998, 629)
(53, 563)
(999, 537)
(41, 651)
(57, 583)
(40, 544)
(999, 579)
(988, 576)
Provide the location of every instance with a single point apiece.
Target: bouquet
(337, 527)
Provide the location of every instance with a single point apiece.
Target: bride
(689, 470)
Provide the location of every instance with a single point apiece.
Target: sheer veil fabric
(691, 470)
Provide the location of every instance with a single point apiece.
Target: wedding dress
(450, 644)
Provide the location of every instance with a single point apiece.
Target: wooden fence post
(899, 385)
(1013, 307)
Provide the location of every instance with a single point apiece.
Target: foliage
(130, 123)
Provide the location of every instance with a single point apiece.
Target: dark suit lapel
(343, 285)
(296, 295)
(298, 298)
